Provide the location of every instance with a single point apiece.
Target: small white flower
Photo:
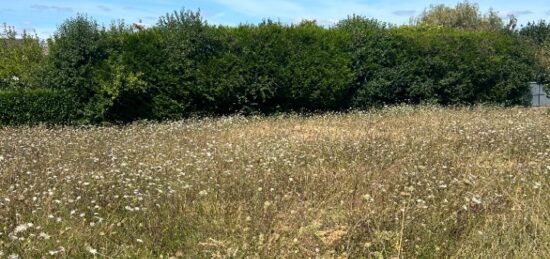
(139, 240)
(44, 236)
(91, 250)
(22, 228)
(367, 197)
(476, 200)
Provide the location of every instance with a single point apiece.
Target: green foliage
(538, 32)
(33, 106)
(464, 15)
(444, 66)
(75, 49)
(184, 66)
(21, 60)
(539, 35)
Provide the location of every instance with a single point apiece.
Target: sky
(44, 16)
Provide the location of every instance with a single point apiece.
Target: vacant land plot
(399, 182)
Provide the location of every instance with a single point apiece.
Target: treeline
(183, 66)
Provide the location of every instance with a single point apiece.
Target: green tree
(464, 15)
(21, 60)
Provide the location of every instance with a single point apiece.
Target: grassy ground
(400, 182)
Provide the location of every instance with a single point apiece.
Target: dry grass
(400, 182)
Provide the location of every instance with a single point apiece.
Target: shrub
(36, 106)
(21, 60)
(443, 65)
(184, 66)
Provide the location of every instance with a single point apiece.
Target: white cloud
(104, 8)
(39, 7)
(521, 12)
(404, 12)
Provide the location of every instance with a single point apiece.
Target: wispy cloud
(104, 8)
(521, 12)
(404, 12)
(38, 7)
(548, 13)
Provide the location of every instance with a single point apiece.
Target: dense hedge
(184, 66)
(443, 66)
(36, 106)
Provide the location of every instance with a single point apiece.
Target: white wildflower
(476, 200)
(91, 250)
(19, 229)
(44, 236)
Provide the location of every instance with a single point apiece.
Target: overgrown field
(398, 182)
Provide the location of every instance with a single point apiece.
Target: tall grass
(398, 182)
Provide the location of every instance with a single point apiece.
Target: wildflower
(476, 200)
(203, 193)
(19, 229)
(44, 236)
(54, 252)
(139, 240)
(91, 250)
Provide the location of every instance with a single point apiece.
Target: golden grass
(399, 182)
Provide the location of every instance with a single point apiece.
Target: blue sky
(44, 16)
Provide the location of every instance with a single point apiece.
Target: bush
(21, 60)
(36, 106)
(442, 65)
(184, 66)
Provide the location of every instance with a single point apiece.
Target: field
(398, 182)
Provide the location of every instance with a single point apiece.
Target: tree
(464, 15)
(538, 33)
(21, 59)
(74, 50)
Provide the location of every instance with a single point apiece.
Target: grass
(398, 182)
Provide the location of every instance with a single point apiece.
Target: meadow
(399, 182)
